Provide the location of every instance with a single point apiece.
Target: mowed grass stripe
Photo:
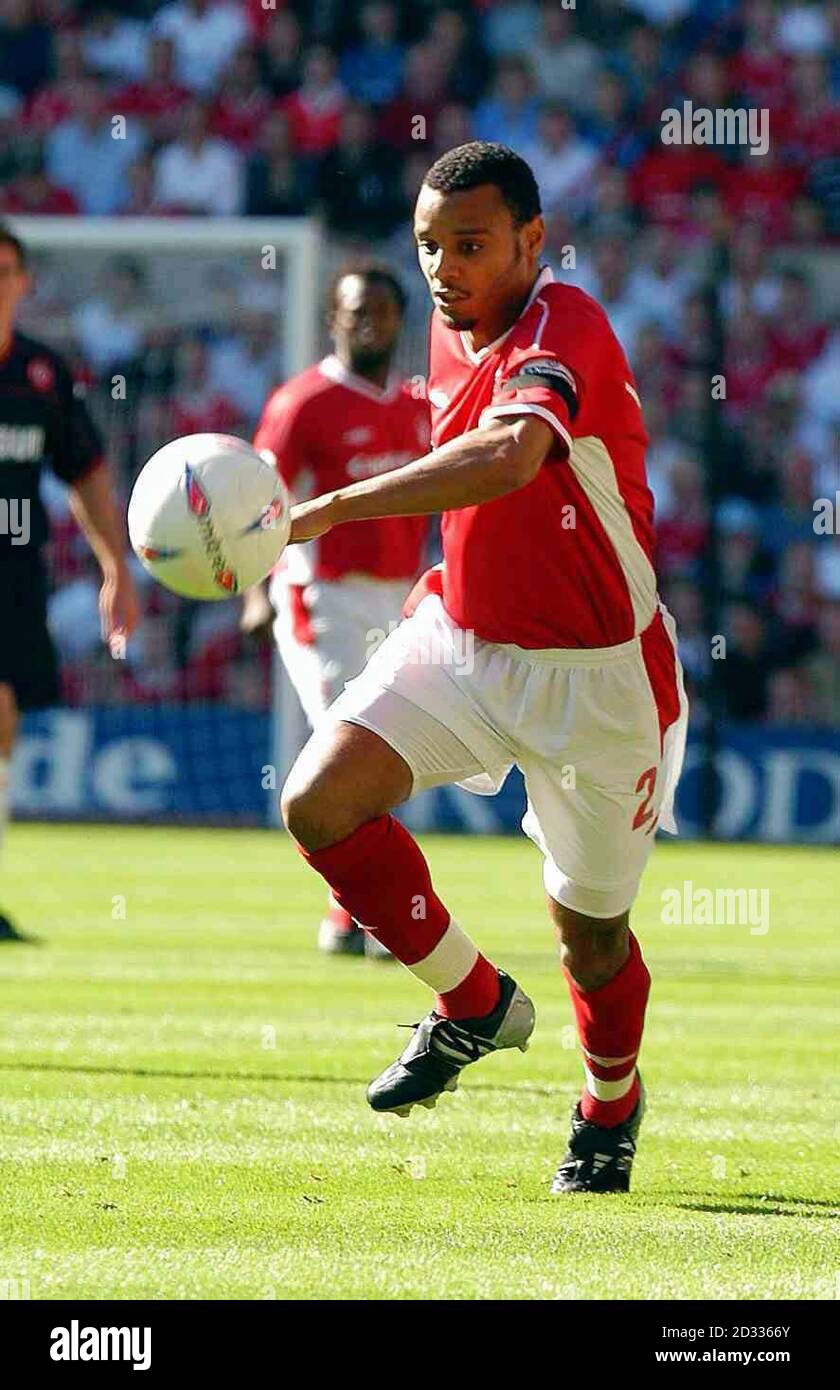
(182, 1104)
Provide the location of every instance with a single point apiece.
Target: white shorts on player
(583, 725)
(326, 630)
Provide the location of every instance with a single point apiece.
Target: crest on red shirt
(41, 374)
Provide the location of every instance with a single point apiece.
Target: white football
(208, 516)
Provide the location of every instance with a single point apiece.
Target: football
(208, 516)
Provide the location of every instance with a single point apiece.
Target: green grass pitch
(182, 1076)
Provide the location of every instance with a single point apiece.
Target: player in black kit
(44, 422)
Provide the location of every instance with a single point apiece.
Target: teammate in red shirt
(348, 417)
(540, 642)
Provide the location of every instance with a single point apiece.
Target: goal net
(174, 326)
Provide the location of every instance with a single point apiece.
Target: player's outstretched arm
(95, 509)
(480, 465)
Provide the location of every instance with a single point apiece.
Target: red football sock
(475, 996)
(610, 1020)
(379, 875)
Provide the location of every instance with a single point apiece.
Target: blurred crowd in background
(335, 109)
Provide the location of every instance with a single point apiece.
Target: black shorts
(28, 660)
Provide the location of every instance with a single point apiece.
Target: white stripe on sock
(608, 1090)
(449, 963)
(608, 1061)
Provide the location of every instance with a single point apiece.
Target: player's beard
(370, 359)
(465, 325)
(458, 325)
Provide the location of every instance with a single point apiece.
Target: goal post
(192, 267)
(297, 239)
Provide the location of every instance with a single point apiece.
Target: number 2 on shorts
(646, 783)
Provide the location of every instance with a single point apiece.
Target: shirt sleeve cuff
(493, 412)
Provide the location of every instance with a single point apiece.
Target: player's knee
(8, 719)
(592, 949)
(298, 812)
(313, 816)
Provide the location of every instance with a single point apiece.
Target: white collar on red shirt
(544, 278)
(335, 370)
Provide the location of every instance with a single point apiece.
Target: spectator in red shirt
(810, 129)
(197, 406)
(748, 361)
(32, 193)
(796, 338)
(159, 98)
(706, 82)
(315, 109)
(53, 103)
(763, 191)
(423, 91)
(708, 223)
(242, 105)
(663, 181)
(682, 531)
(758, 71)
(653, 366)
(262, 16)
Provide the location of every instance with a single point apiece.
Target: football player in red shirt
(348, 417)
(572, 673)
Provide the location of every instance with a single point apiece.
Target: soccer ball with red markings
(208, 516)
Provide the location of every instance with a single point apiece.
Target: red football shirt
(566, 560)
(328, 428)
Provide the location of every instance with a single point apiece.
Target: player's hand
(311, 519)
(257, 614)
(119, 609)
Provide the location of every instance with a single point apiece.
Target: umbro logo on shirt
(360, 435)
(438, 399)
(369, 465)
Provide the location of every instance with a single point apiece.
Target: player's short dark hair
(8, 238)
(483, 161)
(373, 273)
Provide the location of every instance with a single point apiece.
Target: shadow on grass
(296, 1078)
(766, 1204)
